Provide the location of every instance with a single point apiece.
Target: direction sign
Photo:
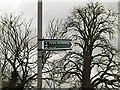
(57, 44)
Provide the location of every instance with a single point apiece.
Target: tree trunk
(86, 83)
(13, 80)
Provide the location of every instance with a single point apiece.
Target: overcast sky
(58, 9)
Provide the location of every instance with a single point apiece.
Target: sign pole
(118, 35)
(39, 27)
(0, 75)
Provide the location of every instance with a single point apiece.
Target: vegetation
(93, 62)
(18, 52)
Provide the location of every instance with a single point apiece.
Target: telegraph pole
(39, 27)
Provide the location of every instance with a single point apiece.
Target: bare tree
(18, 47)
(92, 30)
(53, 32)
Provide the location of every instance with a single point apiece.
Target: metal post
(54, 75)
(118, 35)
(0, 75)
(39, 27)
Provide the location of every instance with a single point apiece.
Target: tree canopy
(91, 28)
(18, 52)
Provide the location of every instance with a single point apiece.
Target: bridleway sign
(56, 44)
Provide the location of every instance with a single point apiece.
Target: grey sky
(28, 7)
(58, 9)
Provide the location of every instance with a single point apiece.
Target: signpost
(49, 44)
(39, 63)
(56, 44)
(0, 75)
